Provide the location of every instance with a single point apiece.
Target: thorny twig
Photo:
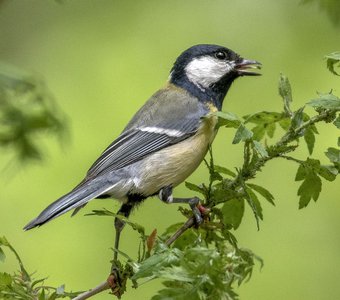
(245, 173)
(105, 285)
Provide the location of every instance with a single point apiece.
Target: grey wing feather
(78, 197)
(169, 110)
(170, 116)
(135, 144)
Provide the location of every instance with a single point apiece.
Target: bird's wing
(149, 132)
(136, 144)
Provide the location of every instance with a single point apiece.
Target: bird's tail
(78, 197)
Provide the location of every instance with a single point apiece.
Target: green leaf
(2, 255)
(301, 173)
(206, 273)
(227, 119)
(285, 92)
(242, 134)
(194, 187)
(265, 123)
(263, 192)
(233, 211)
(54, 296)
(4, 242)
(297, 118)
(309, 189)
(328, 172)
(106, 213)
(337, 122)
(5, 280)
(60, 290)
(309, 139)
(42, 295)
(263, 117)
(259, 148)
(285, 123)
(333, 154)
(333, 59)
(259, 132)
(270, 129)
(157, 261)
(224, 170)
(255, 205)
(325, 101)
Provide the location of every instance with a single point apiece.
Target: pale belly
(172, 165)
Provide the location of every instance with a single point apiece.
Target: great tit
(165, 141)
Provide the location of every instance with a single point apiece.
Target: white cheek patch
(206, 70)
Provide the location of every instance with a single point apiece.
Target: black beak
(245, 67)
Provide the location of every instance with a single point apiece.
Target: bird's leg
(114, 280)
(125, 211)
(165, 194)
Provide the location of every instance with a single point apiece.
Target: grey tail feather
(74, 199)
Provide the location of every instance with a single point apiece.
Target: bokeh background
(102, 60)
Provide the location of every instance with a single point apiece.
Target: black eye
(221, 55)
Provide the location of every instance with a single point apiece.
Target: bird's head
(207, 71)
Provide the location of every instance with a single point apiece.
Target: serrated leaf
(333, 59)
(270, 129)
(297, 118)
(259, 132)
(285, 123)
(53, 296)
(309, 138)
(42, 295)
(265, 123)
(194, 187)
(285, 91)
(263, 192)
(337, 122)
(233, 211)
(301, 173)
(156, 261)
(309, 189)
(2, 255)
(328, 172)
(256, 203)
(313, 163)
(35, 282)
(227, 119)
(325, 101)
(5, 280)
(242, 134)
(61, 290)
(263, 117)
(333, 154)
(259, 148)
(4, 242)
(175, 273)
(224, 170)
(106, 213)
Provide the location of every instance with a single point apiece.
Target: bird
(165, 141)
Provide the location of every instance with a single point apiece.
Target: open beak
(246, 67)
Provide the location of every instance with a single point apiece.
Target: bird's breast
(172, 165)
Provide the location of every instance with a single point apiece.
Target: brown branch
(189, 223)
(105, 285)
(96, 290)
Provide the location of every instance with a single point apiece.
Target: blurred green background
(102, 60)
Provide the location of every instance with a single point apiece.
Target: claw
(204, 211)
